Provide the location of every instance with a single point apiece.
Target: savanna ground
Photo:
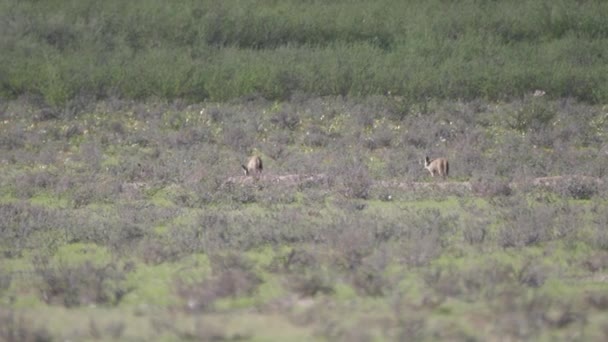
(119, 223)
(124, 215)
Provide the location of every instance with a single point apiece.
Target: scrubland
(124, 214)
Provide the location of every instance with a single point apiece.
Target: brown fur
(439, 166)
(254, 166)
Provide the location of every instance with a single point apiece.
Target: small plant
(73, 286)
(15, 327)
(535, 114)
(369, 280)
(311, 284)
(354, 180)
(490, 188)
(232, 276)
(533, 274)
(579, 187)
(296, 261)
(522, 225)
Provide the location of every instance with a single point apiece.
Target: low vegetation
(72, 52)
(132, 220)
(125, 214)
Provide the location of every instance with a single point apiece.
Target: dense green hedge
(219, 50)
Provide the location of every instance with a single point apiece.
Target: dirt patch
(553, 183)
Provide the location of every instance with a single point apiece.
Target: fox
(439, 166)
(254, 166)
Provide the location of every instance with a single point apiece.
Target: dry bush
(369, 278)
(578, 187)
(480, 281)
(239, 138)
(6, 278)
(311, 283)
(597, 262)
(91, 188)
(114, 330)
(445, 282)
(352, 238)
(316, 137)
(154, 251)
(520, 318)
(232, 276)
(243, 194)
(118, 228)
(353, 178)
(475, 233)
(230, 283)
(485, 187)
(14, 139)
(598, 236)
(403, 163)
(522, 224)
(425, 234)
(15, 327)
(286, 120)
(598, 300)
(525, 317)
(532, 115)
(20, 221)
(533, 273)
(189, 137)
(277, 145)
(380, 138)
(278, 193)
(84, 284)
(29, 183)
(201, 331)
(422, 133)
(91, 153)
(296, 261)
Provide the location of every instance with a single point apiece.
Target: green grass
(64, 51)
(117, 224)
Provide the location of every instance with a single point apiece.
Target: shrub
(369, 278)
(425, 233)
(598, 300)
(578, 187)
(155, 251)
(220, 52)
(15, 327)
(475, 234)
(316, 137)
(311, 283)
(33, 182)
(533, 274)
(522, 225)
(534, 115)
(81, 285)
(22, 221)
(296, 261)
(491, 188)
(113, 329)
(232, 277)
(354, 180)
(597, 262)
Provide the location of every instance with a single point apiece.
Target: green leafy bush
(219, 51)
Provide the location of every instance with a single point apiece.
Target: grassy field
(130, 220)
(124, 214)
(68, 52)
